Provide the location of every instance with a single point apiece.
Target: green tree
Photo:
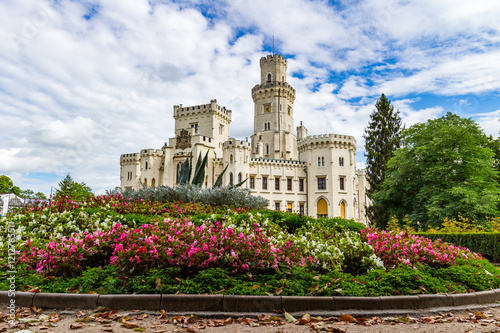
(443, 169)
(76, 191)
(382, 139)
(6, 184)
(40, 195)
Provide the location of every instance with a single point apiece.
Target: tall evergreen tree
(77, 191)
(382, 139)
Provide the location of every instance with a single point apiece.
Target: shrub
(486, 243)
(217, 196)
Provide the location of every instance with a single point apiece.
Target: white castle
(313, 175)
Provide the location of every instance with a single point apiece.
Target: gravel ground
(38, 320)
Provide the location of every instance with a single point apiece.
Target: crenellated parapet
(196, 110)
(128, 159)
(273, 89)
(276, 162)
(271, 59)
(232, 143)
(330, 140)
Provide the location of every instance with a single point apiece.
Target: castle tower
(273, 114)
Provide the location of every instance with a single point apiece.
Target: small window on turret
(269, 77)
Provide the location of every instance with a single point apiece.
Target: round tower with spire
(273, 114)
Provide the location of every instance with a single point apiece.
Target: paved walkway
(38, 320)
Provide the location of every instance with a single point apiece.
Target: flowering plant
(396, 248)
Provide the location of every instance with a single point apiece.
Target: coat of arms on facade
(183, 140)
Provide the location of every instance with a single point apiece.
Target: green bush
(217, 196)
(486, 243)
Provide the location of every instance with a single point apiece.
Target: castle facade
(313, 175)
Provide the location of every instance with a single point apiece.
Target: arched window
(178, 173)
(342, 209)
(322, 208)
(153, 183)
(267, 149)
(319, 161)
(146, 166)
(265, 126)
(269, 77)
(239, 178)
(146, 182)
(322, 161)
(231, 179)
(231, 158)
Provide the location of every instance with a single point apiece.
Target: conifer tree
(382, 138)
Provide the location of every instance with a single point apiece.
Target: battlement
(179, 110)
(338, 140)
(272, 84)
(272, 161)
(273, 58)
(271, 89)
(152, 152)
(232, 143)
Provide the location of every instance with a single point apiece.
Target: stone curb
(249, 304)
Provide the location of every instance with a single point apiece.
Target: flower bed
(109, 244)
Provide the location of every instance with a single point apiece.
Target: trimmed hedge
(486, 243)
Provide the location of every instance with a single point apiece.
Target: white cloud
(76, 93)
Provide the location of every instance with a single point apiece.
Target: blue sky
(82, 82)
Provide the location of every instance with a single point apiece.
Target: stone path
(38, 320)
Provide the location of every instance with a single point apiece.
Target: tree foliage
(444, 169)
(76, 191)
(7, 186)
(382, 138)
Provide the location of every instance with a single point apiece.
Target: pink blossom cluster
(169, 243)
(396, 248)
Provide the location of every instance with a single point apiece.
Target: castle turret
(273, 121)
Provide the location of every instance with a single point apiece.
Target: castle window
(289, 110)
(277, 183)
(276, 205)
(269, 77)
(342, 183)
(301, 209)
(341, 161)
(231, 182)
(146, 182)
(322, 161)
(239, 178)
(321, 183)
(231, 159)
(319, 161)
(206, 181)
(178, 173)
(153, 183)
(264, 183)
(301, 185)
(289, 184)
(146, 166)
(282, 78)
(252, 182)
(267, 149)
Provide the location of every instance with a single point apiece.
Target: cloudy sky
(82, 82)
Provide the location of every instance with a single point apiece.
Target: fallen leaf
(290, 318)
(347, 318)
(75, 326)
